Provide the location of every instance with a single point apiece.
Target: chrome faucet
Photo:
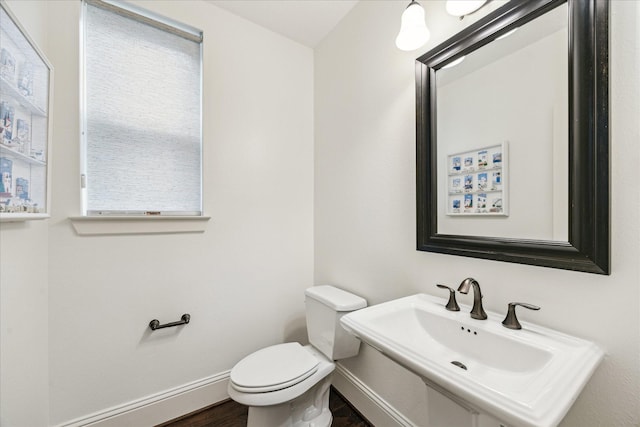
(477, 312)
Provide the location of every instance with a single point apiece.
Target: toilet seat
(276, 397)
(273, 368)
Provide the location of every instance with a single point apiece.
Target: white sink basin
(528, 377)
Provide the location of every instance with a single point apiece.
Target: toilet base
(309, 410)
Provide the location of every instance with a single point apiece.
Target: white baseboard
(159, 407)
(172, 403)
(374, 408)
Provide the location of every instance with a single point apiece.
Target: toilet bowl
(287, 385)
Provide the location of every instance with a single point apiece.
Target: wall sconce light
(454, 63)
(463, 7)
(413, 29)
(507, 34)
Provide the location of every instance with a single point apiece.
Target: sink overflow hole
(459, 364)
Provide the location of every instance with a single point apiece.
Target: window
(141, 113)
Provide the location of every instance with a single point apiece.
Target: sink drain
(459, 364)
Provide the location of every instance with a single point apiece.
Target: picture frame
(477, 181)
(26, 79)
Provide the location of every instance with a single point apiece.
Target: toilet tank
(325, 306)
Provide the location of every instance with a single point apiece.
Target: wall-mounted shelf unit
(478, 182)
(25, 123)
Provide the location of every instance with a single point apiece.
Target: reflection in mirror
(512, 137)
(515, 90)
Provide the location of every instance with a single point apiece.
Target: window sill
(100, 225)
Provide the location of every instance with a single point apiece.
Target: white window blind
(141, 114)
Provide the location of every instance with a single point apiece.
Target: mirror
(512, 138)
(503, 172)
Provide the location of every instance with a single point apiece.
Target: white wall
(23, 291)
(242, 280)
(365, 209)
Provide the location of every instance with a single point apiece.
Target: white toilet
(287, 385)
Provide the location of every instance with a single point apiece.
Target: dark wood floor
(232, 414)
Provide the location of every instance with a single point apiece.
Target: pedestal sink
(528, 377)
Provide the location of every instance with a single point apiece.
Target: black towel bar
(155, 323)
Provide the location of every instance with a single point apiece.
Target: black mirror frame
(588, 248)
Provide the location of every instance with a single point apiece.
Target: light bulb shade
(413, 29)
(507, 34)
(454, 63)
(463, 7)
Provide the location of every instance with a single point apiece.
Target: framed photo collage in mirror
(478, 182)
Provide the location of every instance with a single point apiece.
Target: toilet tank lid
(335, 298)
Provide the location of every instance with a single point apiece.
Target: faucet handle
(511, 321)
(452, 305)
